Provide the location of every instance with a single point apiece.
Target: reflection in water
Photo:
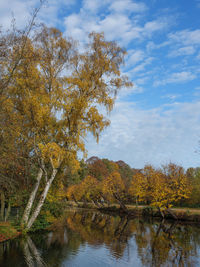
(32, 255)
(93, 239)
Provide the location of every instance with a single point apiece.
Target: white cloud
(92, 5)
(18, 9)
(142, 66)
(181, 43)
(156, 25)
(186, 37)
(118, 24)
(171, 97)
(152, 46)
(115, 27)
(183, 51)
(157, 136)
(127, 5)
(134, 56)
(142, 80)
(74, 27)
(51, 12)
(125, 92)
(22, 10)
(178, 77)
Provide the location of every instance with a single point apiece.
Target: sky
(157, 121)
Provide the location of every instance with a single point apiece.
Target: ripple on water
(93, 240)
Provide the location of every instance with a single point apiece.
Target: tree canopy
(51, 100)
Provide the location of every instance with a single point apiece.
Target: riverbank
(181, 214)
(7, 231)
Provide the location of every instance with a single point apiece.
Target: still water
(89, 239)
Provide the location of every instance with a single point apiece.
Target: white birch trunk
(42, 199)
(31, 199)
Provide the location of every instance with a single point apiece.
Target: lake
(87, 238)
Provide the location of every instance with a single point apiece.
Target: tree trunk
(122, 206)
(31, 199)
(161, 212)
(96, 203)
(2, 204)
(84, 202)
(172, 214)
(102, 202)
(75, 200)
(7, 211)
(136, 200)
(42, 199)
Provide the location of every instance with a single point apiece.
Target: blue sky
(158, 120)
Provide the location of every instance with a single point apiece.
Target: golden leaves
(162, 188)
(52, 152)
(56, 95)
(113, 184)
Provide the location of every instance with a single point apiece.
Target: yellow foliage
(113, 184)
(74, 192)
(47, 112)
(138, 186)
(52, 152)
(162, 188)
(57, 193)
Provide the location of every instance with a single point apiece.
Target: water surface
(89, 239)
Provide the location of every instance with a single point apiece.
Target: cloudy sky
(158, 120)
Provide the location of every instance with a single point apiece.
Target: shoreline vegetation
(7, 231)
(182, 214)
(114, 188)
(187, 215)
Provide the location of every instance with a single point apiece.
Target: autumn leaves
(50, 101)
(160, 188)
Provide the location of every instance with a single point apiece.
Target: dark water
(89, 239)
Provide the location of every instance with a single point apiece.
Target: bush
(50, 212)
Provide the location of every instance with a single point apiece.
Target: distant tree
(138, 187)
(74, 193)
(114, 189)
(126, 172)
(162, 188)
(110, 165)
(98, 169)
(193, 175)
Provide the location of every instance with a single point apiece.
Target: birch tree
(53, 102)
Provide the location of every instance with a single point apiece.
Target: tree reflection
(166, 244)
(32, 254)
(157, 243)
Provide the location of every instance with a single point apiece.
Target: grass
(7, 231)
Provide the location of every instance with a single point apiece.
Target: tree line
(108, 182)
